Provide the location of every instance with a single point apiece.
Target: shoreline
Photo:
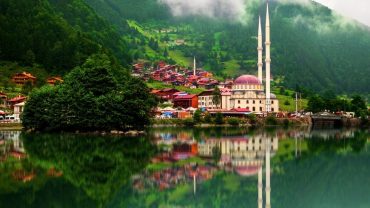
(11, 127)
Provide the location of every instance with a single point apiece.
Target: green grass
(232, 67)
(180, 59)
(283, 98)
(161, 165)
(160, 85)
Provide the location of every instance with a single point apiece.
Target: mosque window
(254, 101)
(247, 101)
(272, 102)
(272, 109)
(260, 101)
(254, 109)
(260, 108)
(238, 101)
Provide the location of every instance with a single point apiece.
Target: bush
(271, 120)
(219, 118)
(208, 118)
(188, 122)
(287, 102)
(197, 116)
(286, 122)
(252, 119)
(233, 121)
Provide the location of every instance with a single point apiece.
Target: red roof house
(22, 78)
(186, 101)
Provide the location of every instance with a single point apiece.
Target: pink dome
(247, 79)
(248, 170)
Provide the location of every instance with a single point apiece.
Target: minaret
(260, 187)
(268, 61)
(268, 186)
(195, 67)
(260, 48)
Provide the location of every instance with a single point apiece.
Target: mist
(243, 11)
(234, 10)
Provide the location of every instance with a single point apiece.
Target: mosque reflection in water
(245, 155)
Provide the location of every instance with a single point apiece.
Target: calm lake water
(179, 167)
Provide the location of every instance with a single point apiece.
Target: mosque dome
(272, 95)
(247, 79)
(248, 170)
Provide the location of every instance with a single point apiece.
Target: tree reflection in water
(100, 165)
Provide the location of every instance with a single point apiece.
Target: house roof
(17, 99)
(169, 89)
(185, 97)
(28, 75)
(20, 104)
(240, 110)
(206, 93)
(56, 79)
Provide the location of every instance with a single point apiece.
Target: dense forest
(311, 45)
(58, 35)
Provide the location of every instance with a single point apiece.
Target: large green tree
(95, 96)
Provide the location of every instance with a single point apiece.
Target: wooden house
(22, 78)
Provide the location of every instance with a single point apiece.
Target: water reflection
(200, 167)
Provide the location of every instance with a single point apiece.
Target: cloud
(234, 10)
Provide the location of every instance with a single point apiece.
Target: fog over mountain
(229, 9)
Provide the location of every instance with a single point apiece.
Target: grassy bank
(11, 126)
(268, 121)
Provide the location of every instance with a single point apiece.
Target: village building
(166, 94)
(19, 99)
(22, 78)
(54, 80)
(205, 100)
(18, 110)
(186, 101)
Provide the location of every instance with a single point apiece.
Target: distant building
(19, 99)
(205, 100)
(18, 110)
(165, 94)
(22, 78)
(54, 80)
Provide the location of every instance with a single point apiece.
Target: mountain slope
(56, 34)
(311, 45)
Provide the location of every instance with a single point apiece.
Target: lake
(188, 167)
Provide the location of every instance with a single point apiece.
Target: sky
(355, 9)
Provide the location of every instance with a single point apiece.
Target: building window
(260, 101)
(272, 102)
(254, 101)
(254, 109)
(272, 109)
(247, 101)
(260, 108)
(238, 101)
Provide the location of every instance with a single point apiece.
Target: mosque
(248, 91)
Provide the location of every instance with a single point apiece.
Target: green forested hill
(58, 35)
(311, 45)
